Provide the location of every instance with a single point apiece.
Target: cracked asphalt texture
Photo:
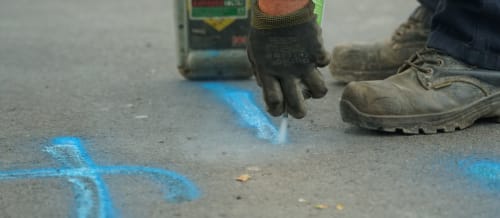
(88, 68)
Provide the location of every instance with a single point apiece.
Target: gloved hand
(285, 52)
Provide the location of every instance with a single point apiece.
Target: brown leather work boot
(431, 93)
(356, 62)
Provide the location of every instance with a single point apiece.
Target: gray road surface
(105, 71)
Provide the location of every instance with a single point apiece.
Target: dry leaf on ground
(321, 206)
(243, 178)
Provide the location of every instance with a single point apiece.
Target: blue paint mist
(484, 171)
(243, 103)
(80, 170)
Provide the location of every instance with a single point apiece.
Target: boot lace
(418, 60)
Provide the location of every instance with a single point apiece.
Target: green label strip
(318, 10)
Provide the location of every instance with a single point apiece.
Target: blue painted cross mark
(80, 170)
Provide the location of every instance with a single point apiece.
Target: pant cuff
(464, 52)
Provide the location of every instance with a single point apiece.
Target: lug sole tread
(445, 122)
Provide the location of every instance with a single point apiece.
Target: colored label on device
(203, 9)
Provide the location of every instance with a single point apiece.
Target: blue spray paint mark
(65, 153)
(84, 197)
(243, 103)
(213, 53)
(70, 152)
(80, 170)
(484, 171)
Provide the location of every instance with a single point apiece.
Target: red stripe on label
(207, 3)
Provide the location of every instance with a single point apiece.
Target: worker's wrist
(281, 7)
(261, 20)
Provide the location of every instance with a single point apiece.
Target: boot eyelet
(440, 62)
(430, 70)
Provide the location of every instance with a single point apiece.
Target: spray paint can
(319, 7)
(212, 38)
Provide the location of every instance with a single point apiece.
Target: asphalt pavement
(95, 121)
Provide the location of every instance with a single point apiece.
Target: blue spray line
(484, 171)
(84, 197)
(79, 167)
(77, 154)
(243, 103)
(179, 188)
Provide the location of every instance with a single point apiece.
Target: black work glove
(285, 52)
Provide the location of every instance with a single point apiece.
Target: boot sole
(449, 121)
(347, 76)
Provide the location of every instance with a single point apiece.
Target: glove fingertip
(297, 114)
(275, 112)
(274, 106)
(320, 93)
(323, 60)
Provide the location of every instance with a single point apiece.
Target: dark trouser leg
(468, 30)
(429, 4)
